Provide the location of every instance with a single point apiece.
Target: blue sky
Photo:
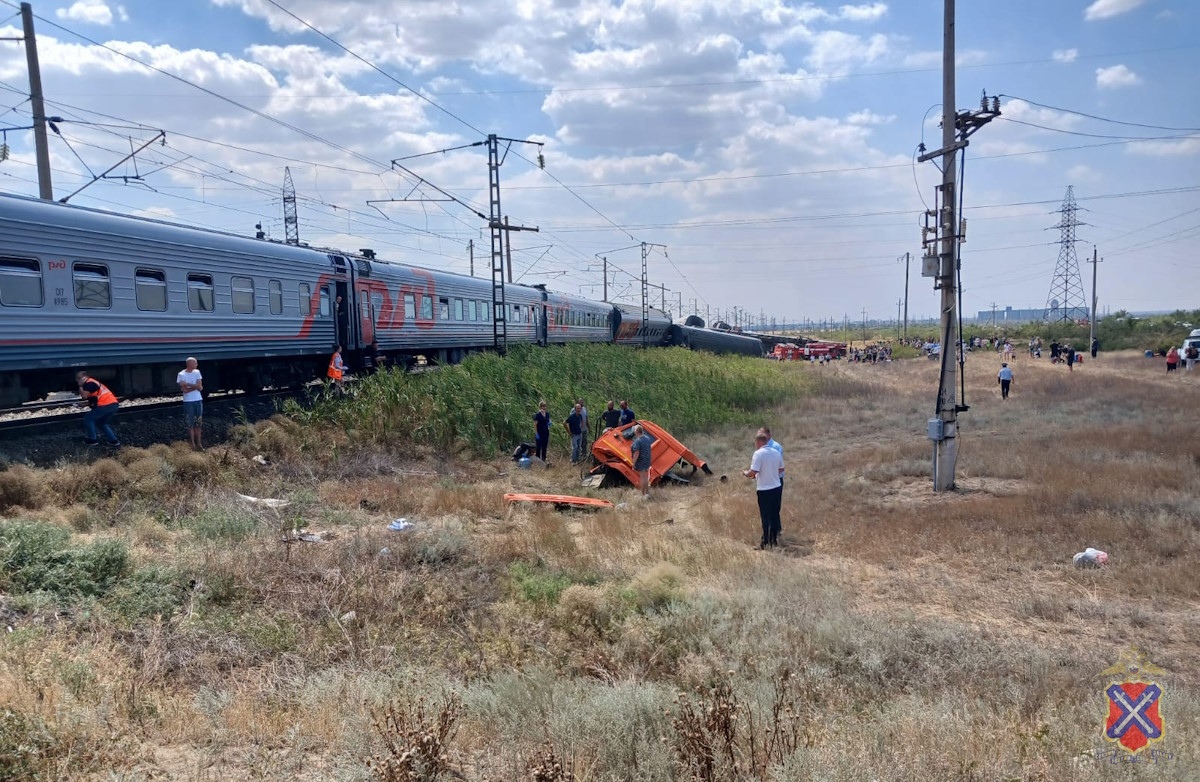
(769, 145)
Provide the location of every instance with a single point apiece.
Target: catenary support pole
(41, 144)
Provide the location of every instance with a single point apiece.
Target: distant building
(1010, 316)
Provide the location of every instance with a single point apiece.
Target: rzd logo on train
(1134, 701)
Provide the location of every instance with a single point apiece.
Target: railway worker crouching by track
(103, 405)
(337, 370)
(191, 383)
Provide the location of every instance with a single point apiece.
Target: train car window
(472, 310)
(427, 307)
(485, 312)
(410, 306)
(92, 288)
(242, 289)
(275, 294)
(200, 292)
(376, 306)
(20, 283)
(323, 303)
(305, 294)
(444, 309)
(150, 290)
(458, 309)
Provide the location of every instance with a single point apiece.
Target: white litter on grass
(399, 525)
(1090, 557)
(260, 459)
(266, 502)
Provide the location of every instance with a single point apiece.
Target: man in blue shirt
(1005, 378)
(574, 425)
(639, 451)
(627, 416)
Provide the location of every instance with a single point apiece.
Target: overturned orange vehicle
(611, 452)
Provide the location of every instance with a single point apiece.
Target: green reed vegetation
(487, 402)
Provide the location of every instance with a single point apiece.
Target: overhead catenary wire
(1098, 118)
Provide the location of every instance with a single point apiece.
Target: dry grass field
(897, 636)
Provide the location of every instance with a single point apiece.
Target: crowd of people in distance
(873, 353)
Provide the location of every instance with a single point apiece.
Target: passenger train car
(129, 298)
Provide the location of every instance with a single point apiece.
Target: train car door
(539, 318)
(343, 303)
(367, 311)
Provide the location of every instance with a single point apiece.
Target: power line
(1094, 135)
(1100, 119)
(377, 69)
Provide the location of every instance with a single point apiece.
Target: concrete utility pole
(907, 258)
(471, 255)
(864, 324)
(956, 129)
(41, 144)
(1092, 320)
(899, 302)
(605, 260)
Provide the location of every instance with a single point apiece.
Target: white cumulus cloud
(1103, 9)
(1116, 76)
(89, 11)
(1065, 55)
(863, 13)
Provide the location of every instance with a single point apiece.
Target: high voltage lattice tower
(291, 221)
(1066, 300)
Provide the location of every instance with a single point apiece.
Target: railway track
(48, 423)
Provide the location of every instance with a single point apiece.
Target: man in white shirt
(766, 467)
(191, 383)
(774, 446)
(1004, 377)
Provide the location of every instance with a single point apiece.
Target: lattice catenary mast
(1066, 300)
(291, 221)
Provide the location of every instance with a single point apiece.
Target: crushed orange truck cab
(611, 451)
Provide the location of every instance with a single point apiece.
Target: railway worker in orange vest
(337, 369)
(103, 404)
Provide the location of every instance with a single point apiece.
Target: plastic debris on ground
(1090, 557)
(266, 502)
(304, 536)
(400, 525)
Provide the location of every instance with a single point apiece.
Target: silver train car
(130, 298)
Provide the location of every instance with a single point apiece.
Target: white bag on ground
(1090, 557)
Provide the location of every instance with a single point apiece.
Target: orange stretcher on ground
(611, 452)
(559, 500)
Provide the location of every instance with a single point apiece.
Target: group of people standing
(578, 426)
(103, 404)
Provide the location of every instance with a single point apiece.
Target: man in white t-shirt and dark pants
(192, 384)
(766, 467)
